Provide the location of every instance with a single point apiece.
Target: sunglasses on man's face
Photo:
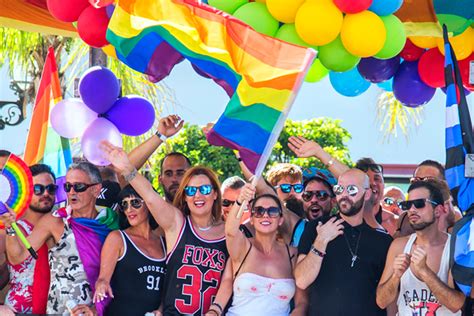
(373, 166)
(78, 186)
(135, 203)
(227, 203)
(418, 203)
(205, 189)
(390, 201)
(417, 179)
(272, 211)
(321, 195)
(38, 189)
(351, 189)
(286, 187)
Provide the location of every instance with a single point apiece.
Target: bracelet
(129, 177)
(317, 252)
(213, 311)
(10, 231)
(218, 306)
(330, 162)
(161, 136)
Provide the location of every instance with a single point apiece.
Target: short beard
(355, 208)
(44, 210)
(169, 196)
(421, 226)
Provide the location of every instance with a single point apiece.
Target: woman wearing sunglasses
(263, 267)
(132, 261)
(194, 233)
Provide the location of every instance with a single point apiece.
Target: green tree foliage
(192, 142)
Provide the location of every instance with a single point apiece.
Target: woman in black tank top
(133, 266)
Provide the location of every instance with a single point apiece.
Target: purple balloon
(408, 87)
(71, 117)
(99, 89)
(378, 70)
(132, 115)
(101, 129)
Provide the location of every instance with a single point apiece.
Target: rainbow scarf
(43, 144)
(261, 74)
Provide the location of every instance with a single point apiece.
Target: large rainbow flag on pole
(261, 75)
(43, 144)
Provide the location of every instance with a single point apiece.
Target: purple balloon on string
(71, 117)
(378, 70)
(99, 130)
(132, 115)
(408, 87)
(99, 89)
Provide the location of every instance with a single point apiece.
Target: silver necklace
(353, 253)
(204, 229)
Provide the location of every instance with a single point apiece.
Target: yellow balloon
(262, 1)
(109, 50)
(363, 34)
(284, 10)
(423, 41)
(462, 44)
(318, 22)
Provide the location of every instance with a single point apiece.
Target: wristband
(161, 136)
(129, 177)
(317, 252)
(10, 231)
(218, 306)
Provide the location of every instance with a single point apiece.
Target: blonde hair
(283, 170)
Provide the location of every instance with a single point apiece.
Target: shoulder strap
(242, 263)
(289, 256)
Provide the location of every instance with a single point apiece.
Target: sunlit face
(292, 194)
(81, 201)
(390, 201)
(229, 195)
(266, 224)
(427, 172)
(136, 210)
(421, 218)
(316, 207)
(351, 205)
(173, 170)
(377, 185)
(44, 202)
(200, 204)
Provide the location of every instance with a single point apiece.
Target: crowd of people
(316, 241)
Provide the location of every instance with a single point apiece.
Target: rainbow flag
(261, 74)
(43, 144)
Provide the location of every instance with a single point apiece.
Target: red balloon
(431, 68)
(411, 52)
(66, 10)
(100, 3)
(92, 26)
(464, 69)
(352, 6)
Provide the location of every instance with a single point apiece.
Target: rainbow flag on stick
(43, 144)
(261, 74)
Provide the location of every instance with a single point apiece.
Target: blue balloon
(386, 85)
(385, 7)
(349, 83)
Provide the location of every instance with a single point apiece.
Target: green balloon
(257, 16)
(396, 37)
(335, 57)
(287, 33)
(316, 72)
(228, 6)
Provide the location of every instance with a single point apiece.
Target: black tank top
(195, 266)
(137, 282)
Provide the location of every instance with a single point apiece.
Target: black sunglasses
(78, 186)
(272, 211)
(418, 203)
(416, 179)
(135, 203)
(286, 187)
(39, 189)
(371, 166)
(204, 189)
(227, 203)
(321, 195)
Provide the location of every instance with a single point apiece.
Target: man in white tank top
(416, 274)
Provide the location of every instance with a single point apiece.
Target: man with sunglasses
(318, 197)
(341, 258)
(417, 272)
(23, 280)
(230, 189)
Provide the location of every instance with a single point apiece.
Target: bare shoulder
(398, 244)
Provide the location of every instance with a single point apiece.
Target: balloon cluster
(359, 42)
(101, 114)
(92, 17)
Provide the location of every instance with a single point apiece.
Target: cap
(317, 173)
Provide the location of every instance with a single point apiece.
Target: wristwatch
(10, 231)
(161, 136)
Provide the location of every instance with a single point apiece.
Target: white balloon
(71, 117)
(99, 130)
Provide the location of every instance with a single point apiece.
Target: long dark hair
(126, 192)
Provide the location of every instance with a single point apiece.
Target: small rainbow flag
(44, 145)
(261, 74)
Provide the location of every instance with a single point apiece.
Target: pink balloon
(99, 130)
(71, 117)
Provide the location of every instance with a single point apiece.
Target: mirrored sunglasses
(204, 189)
(391, 201)
(286, 187)
(272, 211)
(372, 166)
(227, 203)
(135, 203)
(39, 189)
(321, 195)
(351, 189)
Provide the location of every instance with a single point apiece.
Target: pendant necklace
(353, 253)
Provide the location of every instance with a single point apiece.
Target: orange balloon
(423, 41)
(462, 44)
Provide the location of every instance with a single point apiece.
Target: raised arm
(261, 186)
(111, 252)
(396, 264)
(237, 243)
(165, 214)
(305, 148)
